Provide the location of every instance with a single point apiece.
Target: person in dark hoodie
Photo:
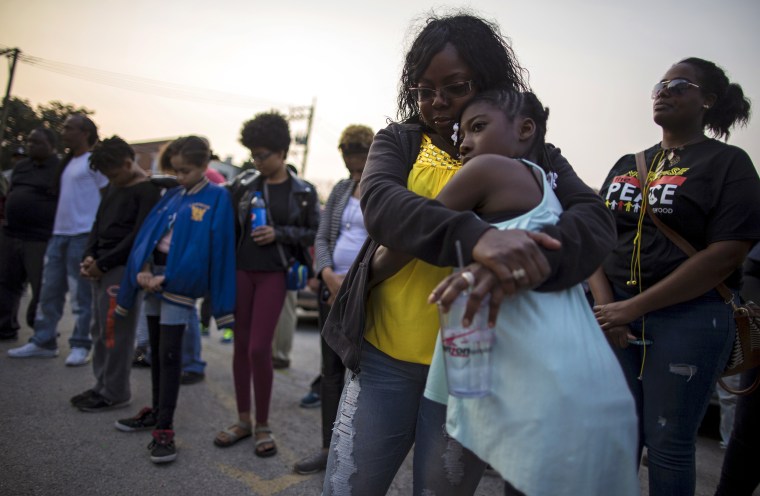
(29, 216)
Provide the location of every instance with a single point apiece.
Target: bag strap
(671, 234)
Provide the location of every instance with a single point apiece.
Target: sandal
(231, 435)
(269, 439)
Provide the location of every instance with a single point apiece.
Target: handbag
(344, 327)
(297, 274)
(745, 354)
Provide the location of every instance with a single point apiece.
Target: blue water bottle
(258, 211)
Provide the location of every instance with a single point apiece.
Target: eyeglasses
(450, 91)
(675, 87)
(260, 157)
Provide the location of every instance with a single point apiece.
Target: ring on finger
(469, 277)
(519, 273)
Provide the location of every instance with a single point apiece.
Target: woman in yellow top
(383, 412)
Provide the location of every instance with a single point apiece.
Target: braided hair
(110, 154)
(521, 104)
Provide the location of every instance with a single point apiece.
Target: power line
(148, 86)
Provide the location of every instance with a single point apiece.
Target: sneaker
(141, 358)
(311, 400)
(204, 330)
(145, 419)
(78, 357)
(227, 335)
(311, 464)
(188, 378)
(31, 350)
(75, 400)
(280, 363)
(162, 448)
(98, 403)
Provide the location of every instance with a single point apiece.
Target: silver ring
(469, 277)
(519, 273)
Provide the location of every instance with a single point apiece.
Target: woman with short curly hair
(263, 255)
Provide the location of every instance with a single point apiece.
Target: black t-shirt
(120, 214)
(707, 192)
(32, 200)
(251, 256)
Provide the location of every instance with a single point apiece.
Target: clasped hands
(505, 262)
(89, 269)
(149, 282)
(614, 318)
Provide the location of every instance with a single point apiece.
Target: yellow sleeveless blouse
(400, 321)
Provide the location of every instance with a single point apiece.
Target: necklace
(350, 212)
(670, 155)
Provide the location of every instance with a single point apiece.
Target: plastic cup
(467, 350)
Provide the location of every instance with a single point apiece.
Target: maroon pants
(260, 296)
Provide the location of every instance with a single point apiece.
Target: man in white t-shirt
(77, 204)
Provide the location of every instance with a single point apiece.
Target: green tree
(22, 119)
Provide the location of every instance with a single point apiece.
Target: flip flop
(228, 436)
(272, 450)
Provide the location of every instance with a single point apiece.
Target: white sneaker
(31, 350)
(77, 357)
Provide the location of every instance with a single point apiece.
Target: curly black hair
(731, 107)
(520, 104)
(480, 44)
(268, 130)
(110, 154)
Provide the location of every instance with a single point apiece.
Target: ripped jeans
(382, 414)
(691, 343)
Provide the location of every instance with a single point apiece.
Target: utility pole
(7, 99)
(300, 113)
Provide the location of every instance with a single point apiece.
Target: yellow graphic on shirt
(198, 210)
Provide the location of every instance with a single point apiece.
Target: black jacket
(303, 217)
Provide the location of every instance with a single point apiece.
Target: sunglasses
(675, 87)
(260, 157)
(450, 91)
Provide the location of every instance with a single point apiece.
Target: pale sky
(593, 63)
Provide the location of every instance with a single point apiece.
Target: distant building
(147, 152)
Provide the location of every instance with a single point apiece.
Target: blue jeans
(191, 345)
(382, 414)
(691, 342)
(61, 273)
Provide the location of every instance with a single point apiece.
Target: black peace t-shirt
(706, 192)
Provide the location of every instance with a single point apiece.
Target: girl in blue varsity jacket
(184, 250)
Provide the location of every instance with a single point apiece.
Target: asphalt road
(48, 447)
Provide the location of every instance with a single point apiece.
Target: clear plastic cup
(467, 350)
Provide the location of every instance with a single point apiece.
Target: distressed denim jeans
(382, 414)
(691, 343)
(61, 273)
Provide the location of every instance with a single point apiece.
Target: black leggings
(740, 475)
(165, 374)
(331, 379)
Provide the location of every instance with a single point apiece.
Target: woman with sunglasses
(286, 230)
(670, 328)
(383, 412)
